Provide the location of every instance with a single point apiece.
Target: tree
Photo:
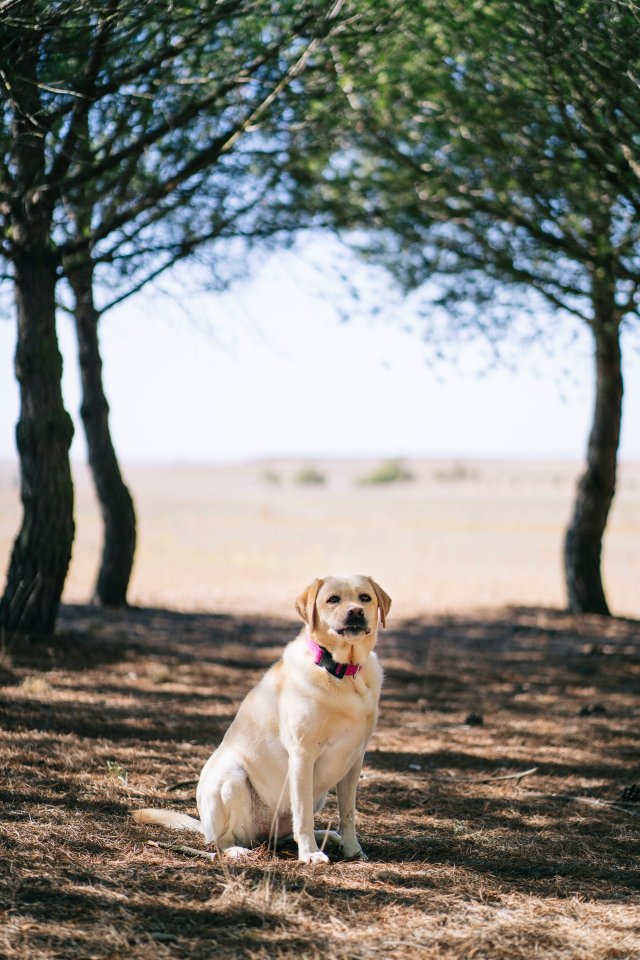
(494, 148)
(42, 549)
(112, 116)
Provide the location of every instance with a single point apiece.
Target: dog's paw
(357, 854)
(316, 856)
(236, 853)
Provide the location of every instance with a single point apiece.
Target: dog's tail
(168, 818)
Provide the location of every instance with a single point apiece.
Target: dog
(301, 731)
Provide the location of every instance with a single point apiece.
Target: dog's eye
(365, 598)
(333, 599)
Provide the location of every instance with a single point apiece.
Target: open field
(462, 864)
(459, 537)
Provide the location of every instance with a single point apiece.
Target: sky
(270, 369)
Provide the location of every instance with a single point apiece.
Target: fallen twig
(179, 786)
(182, 848)
(587, 801)
(506, 776)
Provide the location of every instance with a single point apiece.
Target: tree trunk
(596, 488)
(116, 504)
(42, 550)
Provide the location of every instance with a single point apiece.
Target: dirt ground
(466, 859)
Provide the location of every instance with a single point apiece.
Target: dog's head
(342, 615)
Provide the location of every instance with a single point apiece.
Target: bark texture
(116, 504)
(42, 550)
(597, 486)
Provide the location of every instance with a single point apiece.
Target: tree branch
(180, 120)
(83, 103)
(181, 251)
(205, 157)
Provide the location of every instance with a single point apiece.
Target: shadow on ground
(120, 709)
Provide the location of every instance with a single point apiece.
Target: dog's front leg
(347, 809)
(301, 787)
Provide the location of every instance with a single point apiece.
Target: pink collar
(324, 659)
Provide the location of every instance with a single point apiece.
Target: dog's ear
(306, 603)
(384, 600)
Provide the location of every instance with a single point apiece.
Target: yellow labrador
(301, 731)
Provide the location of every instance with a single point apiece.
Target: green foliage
(310, 476)
(489, 147)
(147, 119)
(117, 771)
(391, 471)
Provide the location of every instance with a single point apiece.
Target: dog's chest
(339, 742)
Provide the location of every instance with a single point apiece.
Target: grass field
(500, 839)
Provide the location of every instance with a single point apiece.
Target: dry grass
(123, 707)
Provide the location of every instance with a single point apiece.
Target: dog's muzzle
(354, 624)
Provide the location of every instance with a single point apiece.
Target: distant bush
(310, 476)
(270, 476)
(392, 471)
(456, 473)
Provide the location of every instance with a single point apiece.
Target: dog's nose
(355, 612)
